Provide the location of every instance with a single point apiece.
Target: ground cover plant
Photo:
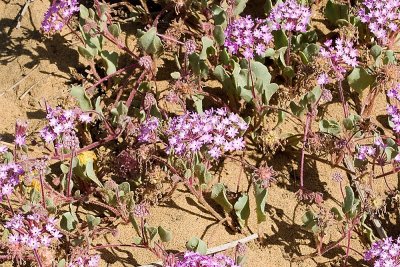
(168, 94)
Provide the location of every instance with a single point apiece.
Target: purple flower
(382, 18)
(9, 178)
(384, 253)
(342, 54)
(197, 260)
(59, 13)
(31, 231)
(61, 127)
(85, 260)
(148, 130)
(214, 131)
(392, 109)
(290, 16)
(247, 37)
(323, 79)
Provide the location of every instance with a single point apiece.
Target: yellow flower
(35, 184)
(85, 157)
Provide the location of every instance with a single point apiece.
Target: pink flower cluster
(59, 14)
(214, 132)
(342, 54)
(148, 130)
(32, 231)
(197, 260)
(9, 178)
(382, 17)
(61, 127)
(248, 37)
(393, 109)
(290, 16)
(384, 253)
(86, 261)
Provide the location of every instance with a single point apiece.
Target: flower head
(196, 259)
(214, 131)
(385, 252)
(342, 54)
(382, 18)
(59, 13)
(290, 16)
(248, 37)
(32, 231)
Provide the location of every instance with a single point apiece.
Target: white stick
(216, 249)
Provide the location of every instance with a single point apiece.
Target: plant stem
(70, 174)
(111, 75)
(37, 258)
(344, 103)
(9, 205)
(42, 188)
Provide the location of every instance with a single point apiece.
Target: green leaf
(218, 193)
(359, 79)
(348, 124)
(207, 49)
(242, 210)
(240, 5)
(376, 51)
(92, 221)
(165, 235)
(124, 187)
(111, 60)
(261, 199)
(150, 42)
(61, 263)
(198, 102)
(152, 231)
(115, 29)
(175, 75)
(68, 221)
(334, 12)
(348, 200)
(197, 245)
(310, 221)
(83, 12)
(329, 126)
(87, 52)
(79, 93)
(280, 39)
(89, 171)
(311, 51)
(268, 6)
(219, 35)
(219, 16)
(337, 213)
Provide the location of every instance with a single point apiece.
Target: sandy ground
(282, 235)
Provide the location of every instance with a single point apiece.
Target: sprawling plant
(124, 143)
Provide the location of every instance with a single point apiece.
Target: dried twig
(21, 80)
(23, 11)
(28, 90)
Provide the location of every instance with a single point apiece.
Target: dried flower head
(20, 133)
